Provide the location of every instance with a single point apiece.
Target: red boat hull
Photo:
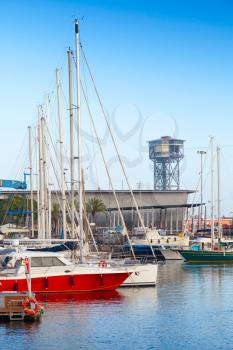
(67, 283)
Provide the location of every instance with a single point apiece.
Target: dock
(16, 306)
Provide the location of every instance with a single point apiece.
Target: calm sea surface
(191, 308)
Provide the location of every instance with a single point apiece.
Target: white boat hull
(143, 275)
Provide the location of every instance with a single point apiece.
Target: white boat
(142, 275)
(164, 246)
(155, 238)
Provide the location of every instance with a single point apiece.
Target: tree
(15, 209)
(55, 216)
(95, 205)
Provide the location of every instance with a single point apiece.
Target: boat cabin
(14, 261)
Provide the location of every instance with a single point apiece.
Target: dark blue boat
(56, 248)
(141, 250)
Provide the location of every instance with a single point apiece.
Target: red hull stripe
(67, 283)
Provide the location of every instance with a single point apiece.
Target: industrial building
(158, 208)
(164, 207)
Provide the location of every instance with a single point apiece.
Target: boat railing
(148, 259)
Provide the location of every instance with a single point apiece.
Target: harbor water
(191, 308)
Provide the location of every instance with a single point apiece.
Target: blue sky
(168, 64)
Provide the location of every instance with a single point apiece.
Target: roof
(158, 207)
(107, 191)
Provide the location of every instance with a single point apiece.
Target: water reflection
(95, 297)
(191, 308)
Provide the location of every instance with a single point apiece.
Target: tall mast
(212, 192)
(31, 178)
(44, 174)
(202, 153)
(38, 181)
(219, 194)
(61, 152)
(71, 139)
(80, 185)
(205, 217)
(41, 177)
(47, 160)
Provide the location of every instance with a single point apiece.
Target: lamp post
(201, 173)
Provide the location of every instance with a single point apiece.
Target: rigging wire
(117, 152)
(107, 171)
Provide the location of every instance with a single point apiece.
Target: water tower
(166, 154)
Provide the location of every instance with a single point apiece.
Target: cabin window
(52, 261)
(47, 261)
(36, 262)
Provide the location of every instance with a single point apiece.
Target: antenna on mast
(80, 182)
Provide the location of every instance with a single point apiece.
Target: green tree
(95, 205)
(55, 217)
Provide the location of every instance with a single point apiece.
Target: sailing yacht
(165, 247)
(51, 271)
(213, 249)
